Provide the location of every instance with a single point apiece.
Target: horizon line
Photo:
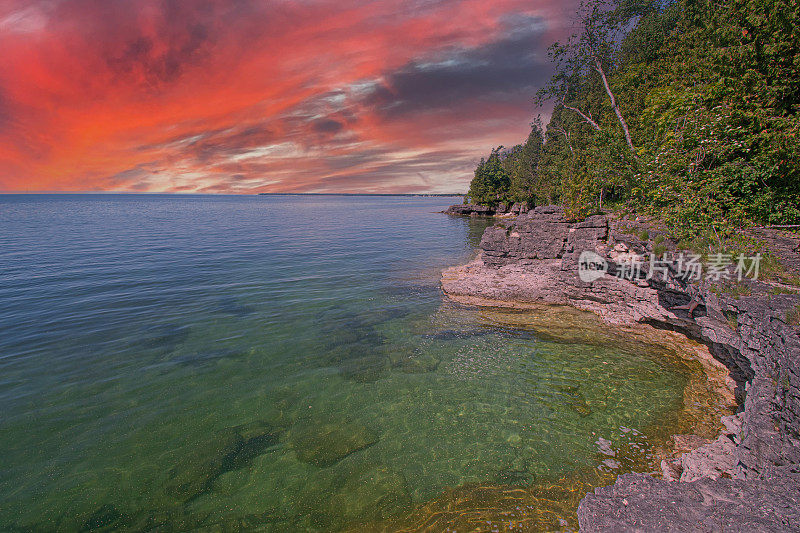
(151, 193)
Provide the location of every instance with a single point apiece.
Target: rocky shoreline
(746, 479)
(475, 210)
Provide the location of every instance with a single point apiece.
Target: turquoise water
(280, 362)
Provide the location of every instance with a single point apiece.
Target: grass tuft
(793, 316)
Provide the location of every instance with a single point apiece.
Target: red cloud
(245, 96)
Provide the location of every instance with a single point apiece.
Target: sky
(249, 96)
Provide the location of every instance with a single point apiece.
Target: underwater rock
(105, 517)
(377, 317)
(363, 369)
(361, 362)
(337, 337)
(355, 345)
(374, 494)
(248, 450)
(200, 467)
(413, 362)
(576, 401)
(356, 350)
(452, 334)
(338, 318)
(326, 443)
(163, 338)
(258, 428)
(207, 358)
(512, 477)
(230, 306)
(229, 451)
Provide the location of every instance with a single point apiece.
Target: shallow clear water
(281, 362)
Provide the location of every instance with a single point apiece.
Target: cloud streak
(252, 96)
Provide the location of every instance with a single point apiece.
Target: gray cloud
(509, 69)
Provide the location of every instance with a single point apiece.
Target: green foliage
(776, 291)
(710, 92)
(512, 175)
(522, 164)
(491, 182)
(793, 316)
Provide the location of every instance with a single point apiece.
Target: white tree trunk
(624, 124)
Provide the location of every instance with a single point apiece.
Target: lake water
(288, 363)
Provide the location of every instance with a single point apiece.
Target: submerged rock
(229, 451)
(413, 362)
(375, 494)
(575, 400)
(364, 368)
(363, 361)
(203, 359)
(162, 338)
(248, 450)
(512, 477)
(105, 518)
(326, 443)
(200, 467)
(230, 306)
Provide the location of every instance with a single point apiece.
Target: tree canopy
(687, 110)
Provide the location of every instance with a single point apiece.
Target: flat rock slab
(377, 493)
(637, 502)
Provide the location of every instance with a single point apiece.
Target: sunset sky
(254, 96)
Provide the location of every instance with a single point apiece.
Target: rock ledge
(746, 479)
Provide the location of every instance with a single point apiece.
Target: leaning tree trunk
(614, 104)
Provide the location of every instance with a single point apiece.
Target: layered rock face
(535, 259)
(482, 210)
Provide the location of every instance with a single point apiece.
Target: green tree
(491, 182)
(688, 110)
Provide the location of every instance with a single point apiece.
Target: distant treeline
(687, 110)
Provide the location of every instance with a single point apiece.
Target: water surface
(283, 363)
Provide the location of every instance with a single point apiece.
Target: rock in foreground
(637, 502)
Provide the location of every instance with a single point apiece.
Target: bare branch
(578, 111)
(624, 124)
